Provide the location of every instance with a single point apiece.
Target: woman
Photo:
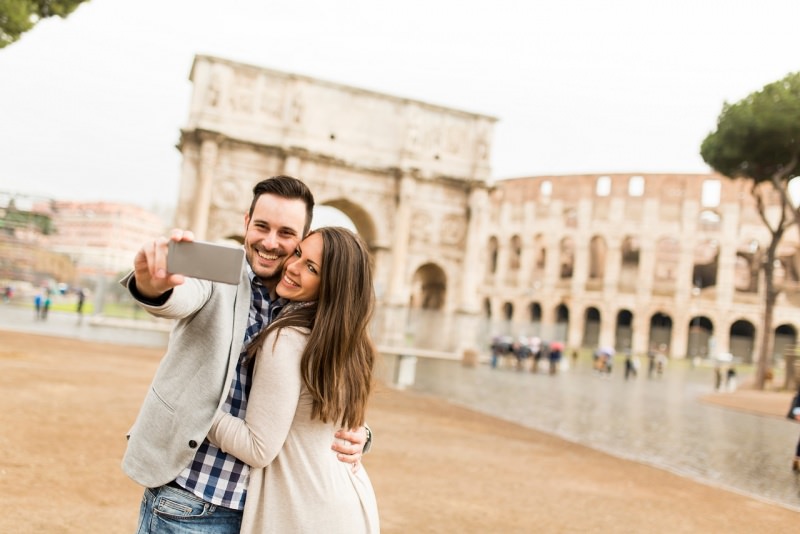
(312, 374)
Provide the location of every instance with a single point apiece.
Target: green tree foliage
(19, 16)
(758, 139)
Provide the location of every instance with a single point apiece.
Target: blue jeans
(172, 510)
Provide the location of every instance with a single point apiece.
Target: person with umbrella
(556, 348)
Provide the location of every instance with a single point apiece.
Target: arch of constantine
(413, 178)
(628, 261)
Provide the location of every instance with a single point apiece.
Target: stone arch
(698, 343)
(562, 323)
(623, 332)
(629, 271)
(591, 327)
(567, 258)
(535, 314)
(540, 258)
(362, 220)
(706, 264)
(426, 325)
(535, 310)
(785, 338)
(508, 311)
(660, 331)
(515, 254)
(742, 340)
(428, 288)
(598, 250)
(487, 308)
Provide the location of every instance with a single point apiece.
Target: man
(190, 483)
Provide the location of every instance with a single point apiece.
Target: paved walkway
(662, 422)
(145, 333)
(659, 422)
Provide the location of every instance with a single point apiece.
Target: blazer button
(192, 443)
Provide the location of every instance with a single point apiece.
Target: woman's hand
(349, 446)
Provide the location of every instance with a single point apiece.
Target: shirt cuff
(157, 301)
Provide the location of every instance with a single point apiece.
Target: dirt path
(66, 406)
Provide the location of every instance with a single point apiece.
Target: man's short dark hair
(289, 188)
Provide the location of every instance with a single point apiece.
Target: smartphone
(209, 261)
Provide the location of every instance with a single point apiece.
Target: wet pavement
(89, 328)
(658, 421)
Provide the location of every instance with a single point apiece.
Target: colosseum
(634, 261)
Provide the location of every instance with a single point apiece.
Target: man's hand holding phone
(150, 265)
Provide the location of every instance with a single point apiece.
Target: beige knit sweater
(296, 482)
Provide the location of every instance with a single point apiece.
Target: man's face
(272, 234)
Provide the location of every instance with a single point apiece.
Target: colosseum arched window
(567, 259)
(515, 256)
(629, 272)
(706, 264)
(493, 251)
(598, 251)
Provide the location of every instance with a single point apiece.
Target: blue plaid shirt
(215, 476)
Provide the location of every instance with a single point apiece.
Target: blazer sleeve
(272, 403)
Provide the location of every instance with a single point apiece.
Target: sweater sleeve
(271, 405)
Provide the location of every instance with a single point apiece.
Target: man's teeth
(267, 256)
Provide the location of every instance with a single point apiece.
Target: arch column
(612, 266)
(472, 266)
(209, 154)
(608, 328)
(680, 335)
(397, 279)
(641, 333)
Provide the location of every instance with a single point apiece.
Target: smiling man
(191, 484)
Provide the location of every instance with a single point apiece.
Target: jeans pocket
(177, 503)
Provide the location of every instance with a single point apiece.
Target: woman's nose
(291, 265)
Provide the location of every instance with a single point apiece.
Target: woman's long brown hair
(339, 357)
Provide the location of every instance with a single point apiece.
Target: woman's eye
(297, 252)
(312, 269)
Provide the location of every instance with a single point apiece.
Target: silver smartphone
(209, 261)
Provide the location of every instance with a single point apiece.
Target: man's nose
(270, 241)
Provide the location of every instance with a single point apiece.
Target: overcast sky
(91, 106)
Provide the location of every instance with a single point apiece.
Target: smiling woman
(301, 272)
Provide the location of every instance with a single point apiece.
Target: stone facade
(629, 261)
(412, 176)
(632, 261)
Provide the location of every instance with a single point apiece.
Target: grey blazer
(192, 379)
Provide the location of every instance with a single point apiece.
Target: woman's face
(301, 274)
